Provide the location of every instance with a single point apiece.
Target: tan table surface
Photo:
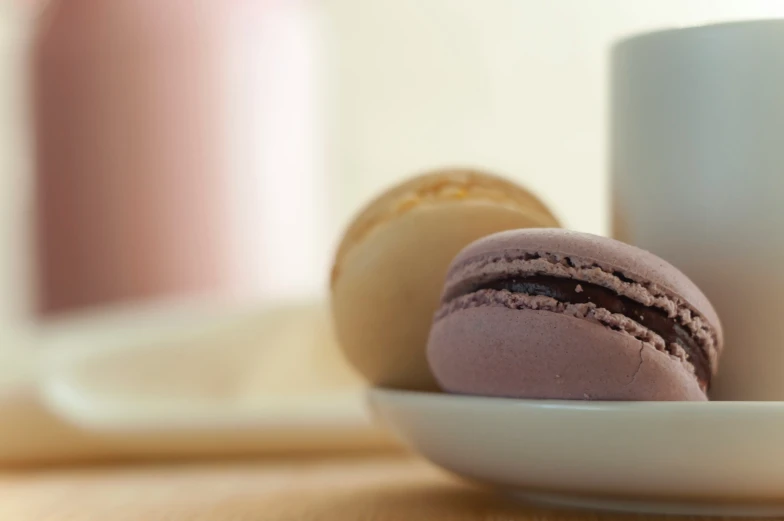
(348, 488)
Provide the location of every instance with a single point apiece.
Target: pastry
(390, 266)
(566, 315)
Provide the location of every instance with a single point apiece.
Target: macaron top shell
(639, 274)
(434, 188)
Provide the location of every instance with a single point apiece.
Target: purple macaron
(556, 314)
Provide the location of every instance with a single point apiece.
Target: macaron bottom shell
(535, 354)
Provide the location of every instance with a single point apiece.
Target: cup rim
(694, 31)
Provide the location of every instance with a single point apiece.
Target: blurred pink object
(129, 152)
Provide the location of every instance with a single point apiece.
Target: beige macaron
(390, 266)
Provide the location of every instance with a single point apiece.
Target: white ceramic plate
(723, 458)
(179, 380)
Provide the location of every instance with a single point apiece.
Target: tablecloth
(376, 487)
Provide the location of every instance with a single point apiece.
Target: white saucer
(721, 458)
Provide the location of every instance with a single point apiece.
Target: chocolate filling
(578, 292)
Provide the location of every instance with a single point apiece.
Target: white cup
(697, 133)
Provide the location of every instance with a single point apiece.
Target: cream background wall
(15, 270)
